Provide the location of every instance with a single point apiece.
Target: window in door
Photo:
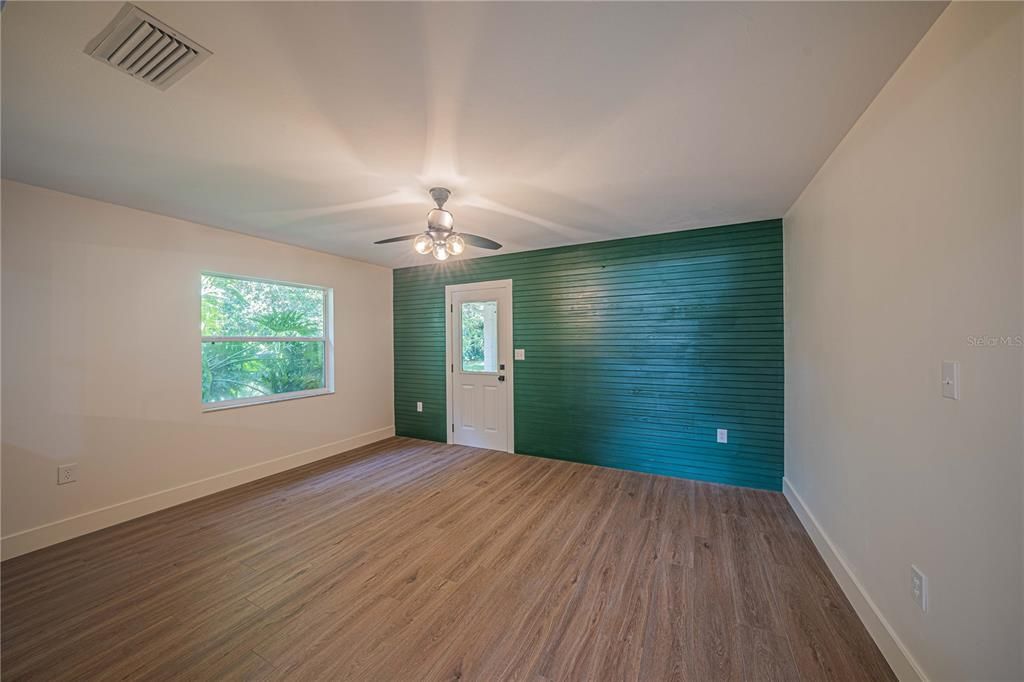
(480, 336)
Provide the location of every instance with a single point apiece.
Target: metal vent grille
(145, 48)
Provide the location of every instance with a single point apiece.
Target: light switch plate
(723, 435)
(951, 379)
(520, 353)
(419, 407)
(919, 587)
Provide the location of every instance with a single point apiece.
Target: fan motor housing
(440, 219)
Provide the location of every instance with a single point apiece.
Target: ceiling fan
(440, 238)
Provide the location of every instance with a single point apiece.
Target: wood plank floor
(409, 560)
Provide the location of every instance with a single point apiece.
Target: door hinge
(451, 307)
(452, 370)
(453, 428)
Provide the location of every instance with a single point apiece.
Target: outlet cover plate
(67, 473)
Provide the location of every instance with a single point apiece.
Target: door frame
(504, 342)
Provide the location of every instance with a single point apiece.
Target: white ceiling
(322, 124)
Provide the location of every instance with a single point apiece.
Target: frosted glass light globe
(423, 244)
(455, 244)
(440, 252)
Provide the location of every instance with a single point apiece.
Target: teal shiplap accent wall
(637, 351)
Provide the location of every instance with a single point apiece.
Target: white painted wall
(101, 364)
(906, 243)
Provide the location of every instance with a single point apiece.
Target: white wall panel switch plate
(419, 407)
(67, 473)
(919, 587)
(520, 353)
(723, 435)
(951, 380)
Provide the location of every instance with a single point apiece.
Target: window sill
(263, 400)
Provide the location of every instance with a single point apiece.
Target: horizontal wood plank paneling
(637, 351)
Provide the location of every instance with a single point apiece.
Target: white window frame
(327, 339)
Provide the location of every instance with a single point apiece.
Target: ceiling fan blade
(482, 242)
(399, 239)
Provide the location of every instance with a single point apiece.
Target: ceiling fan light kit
(440, 238)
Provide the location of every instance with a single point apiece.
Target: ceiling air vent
(145, 48)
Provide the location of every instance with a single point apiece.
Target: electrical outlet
(67, 473)
(723, 435)
(919, 587)
(419, 407)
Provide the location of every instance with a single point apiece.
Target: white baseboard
(48, 534)
(899, 658)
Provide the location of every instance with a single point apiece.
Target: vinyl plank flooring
(408, 559)
(717, 654)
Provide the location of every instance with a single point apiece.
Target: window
(480, 336)
(263, 341)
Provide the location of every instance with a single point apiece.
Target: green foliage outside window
(474, 334)
(237, 368)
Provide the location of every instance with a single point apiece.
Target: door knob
(501, 377)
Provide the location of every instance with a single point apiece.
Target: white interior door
(480, 364)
